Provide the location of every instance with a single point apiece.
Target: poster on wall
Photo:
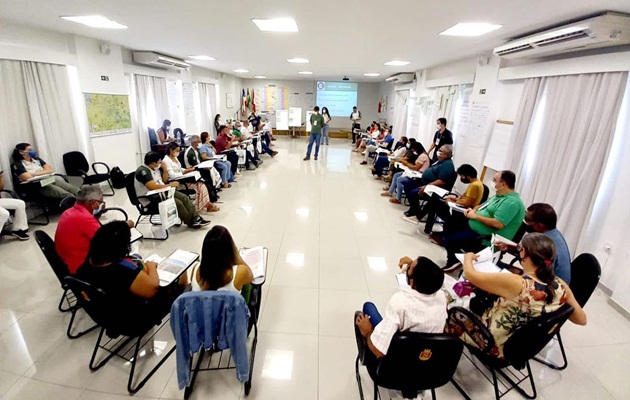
(229, 100)
(108, 114)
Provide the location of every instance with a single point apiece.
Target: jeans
(59, 190)
(411, 187)
(466, 240)
(396, 186)
(225, 169)
(325, 136)
(381, 162)
(266, 148)
(314, 138)
(232, 158)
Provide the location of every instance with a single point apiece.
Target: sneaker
(22, 235)
(306, 158)
(453, 267)
(411, 219)
(201, 221)
(315, 158)
(194, 225)
(274, 153)
(238, 172)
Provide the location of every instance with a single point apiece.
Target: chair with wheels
(414, 362)
(522, 346)
(76, 164)
(155, 146)
(68, 302)
(585, 275)
(118, 330)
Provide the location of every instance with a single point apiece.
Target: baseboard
(620, 309)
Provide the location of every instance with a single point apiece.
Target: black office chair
(76, 164)
(179, 136)
(527, 341)
(153, 139)
(149, 211)
(47, 246)
(29, 193)
(585, 275)
(414, 362)
(106, 311)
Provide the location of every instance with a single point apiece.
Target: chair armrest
(462, 321)
(65, 178)
(124, 213)
(100, 163)
(11, 193)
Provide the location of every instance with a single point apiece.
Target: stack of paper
(430, 189)
(191, 175)
(255, 258)
(484, 262)
(455, 207)
(498, 238)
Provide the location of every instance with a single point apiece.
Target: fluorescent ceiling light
(470, 29)
(298, 60)
(202, 58)
(241, 71)
(276, 25)
(261, 77)
(96, 21)
(305, 73)
(396, 63)
(371, 74)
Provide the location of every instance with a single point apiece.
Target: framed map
(108, 114)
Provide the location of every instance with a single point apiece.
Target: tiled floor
(334, 243)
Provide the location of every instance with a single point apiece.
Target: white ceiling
(343, 37)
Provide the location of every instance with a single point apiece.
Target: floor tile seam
(55, 384)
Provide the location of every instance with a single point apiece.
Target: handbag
(168, 213)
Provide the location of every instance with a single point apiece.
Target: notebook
(455, 207)
(484, 263)
(256, 258)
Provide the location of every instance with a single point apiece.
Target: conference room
(124, 239)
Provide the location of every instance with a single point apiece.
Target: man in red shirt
(77, 226)
(225, 142)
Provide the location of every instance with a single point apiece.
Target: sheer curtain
(561, 139)
(152, 103)
(206, 97)
(400, 113)
(36, 104)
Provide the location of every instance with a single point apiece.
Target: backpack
(117, 177)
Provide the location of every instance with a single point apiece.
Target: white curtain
(207, 97)
(400, 113)
(36, 104)
(561, 139)
(152, 102)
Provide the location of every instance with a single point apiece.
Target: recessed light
(276, 25)
(470, 29)
(240, 71)
(260, 77)
(396, 63)
(305, 73)
(371, 74)
(96, 21)
(298, 60)
(202, 58)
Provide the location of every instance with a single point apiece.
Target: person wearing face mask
(501, 214)
(27, 165)
(149, 177)
(442, 136)
(437, 206)
(399, 181)
(382, 160)
(163, 132)
(77, 226)
(542, 218)
(384, 143)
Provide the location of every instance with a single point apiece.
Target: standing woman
(174, 170)
(217, 123)
(326, 125)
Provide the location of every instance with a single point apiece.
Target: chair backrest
(531, 338)
(585, 274)
(47, 245)
(179, 135)
(67, 203)
(75, 163)
(153, 139)
(486, 193)
(131, 188)
(419, 361)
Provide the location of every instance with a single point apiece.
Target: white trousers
(19, 220)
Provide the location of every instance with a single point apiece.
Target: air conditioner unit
(608, 29)
(158, 60)
(404, 77)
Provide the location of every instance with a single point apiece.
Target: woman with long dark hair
(221, 266)
(217, 123)
(522, 297)
(326, 126)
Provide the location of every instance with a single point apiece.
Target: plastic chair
(76, 164)
(47, 246)
(102, 308)
(585, 275)
(29, 193)
(414, 362)
(527, 341)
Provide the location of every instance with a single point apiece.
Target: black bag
(118, 178)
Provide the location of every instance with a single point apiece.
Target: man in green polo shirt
(501, 214)
(317, 120)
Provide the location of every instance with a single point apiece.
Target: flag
(253, 103)
(248, 99)
(243, 104)
(379, 105)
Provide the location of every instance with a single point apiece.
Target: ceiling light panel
(95, 21)
(470, 29)
(298, 60)
(202, 58)
(276, 25)
(396, 63)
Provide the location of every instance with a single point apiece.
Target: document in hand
(191, 175)
(484, 262)
(401, 279)
(498, 238)
(206, 164)
(256, 258)
(455, 207)
(37, 178)
(430, 189)
(174, 265)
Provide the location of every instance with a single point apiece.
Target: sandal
(212, 208)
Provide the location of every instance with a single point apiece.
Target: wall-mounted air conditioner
(404, 77)
(608, 29)
(158, 60)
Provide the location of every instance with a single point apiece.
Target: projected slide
(338, 97)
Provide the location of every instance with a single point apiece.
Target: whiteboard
(308, 120)
(295, 116)
(497, 156)
(282, 120)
